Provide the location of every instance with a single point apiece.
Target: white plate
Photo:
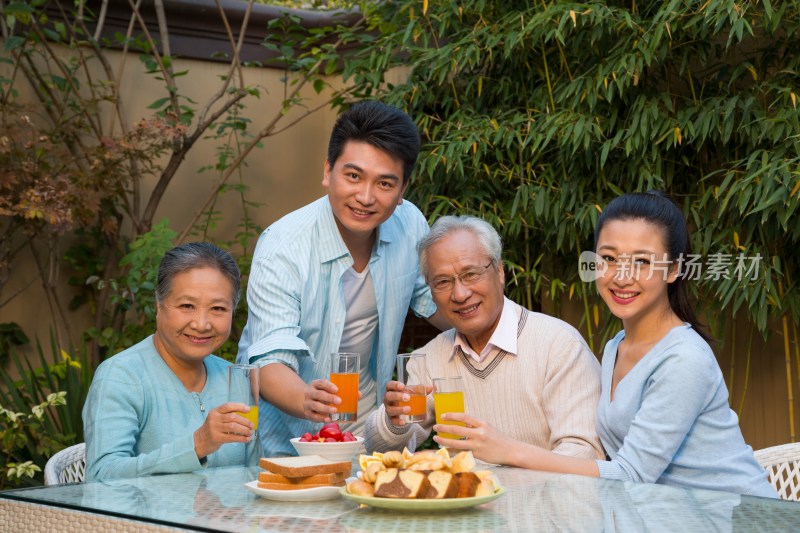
(301, 495)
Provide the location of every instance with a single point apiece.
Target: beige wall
(283, 175)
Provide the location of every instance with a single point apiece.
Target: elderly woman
(160, 406)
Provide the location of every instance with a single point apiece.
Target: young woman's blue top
(670, 422)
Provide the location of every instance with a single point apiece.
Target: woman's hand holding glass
(223, 425)
(243, 388)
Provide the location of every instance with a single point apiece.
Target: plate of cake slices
(423, 481)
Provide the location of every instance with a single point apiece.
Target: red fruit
(331, 425)
(306, 437)
(331, 432)
(331, 440)
(348, 437)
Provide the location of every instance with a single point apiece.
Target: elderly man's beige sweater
(546, 395)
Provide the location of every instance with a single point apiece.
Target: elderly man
(527, 377)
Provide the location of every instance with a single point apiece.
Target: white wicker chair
(66, 466)
(783, 466)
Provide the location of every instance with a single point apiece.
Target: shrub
(40, 413)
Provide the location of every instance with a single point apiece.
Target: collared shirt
(504, 336)
(296, 308)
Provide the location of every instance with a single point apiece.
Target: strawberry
(331, 432)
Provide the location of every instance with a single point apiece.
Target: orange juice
(251, 415)
(417, 403)
(448, 402)
(348, 392)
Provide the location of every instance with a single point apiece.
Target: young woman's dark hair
(381, 125)
(658, 209)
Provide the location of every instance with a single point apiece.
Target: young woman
(663, 415)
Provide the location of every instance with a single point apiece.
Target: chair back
(782, 463)
(66, 466)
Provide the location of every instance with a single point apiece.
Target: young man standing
(337, 275)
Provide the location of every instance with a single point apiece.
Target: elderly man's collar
(504, 337)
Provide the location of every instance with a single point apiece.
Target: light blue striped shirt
(296, 307)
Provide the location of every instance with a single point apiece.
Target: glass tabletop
(217, 500)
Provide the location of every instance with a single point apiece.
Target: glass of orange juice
(243, 388)
(448, 397)
(344, 374)
(412, 372)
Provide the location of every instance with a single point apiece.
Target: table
(216, 500)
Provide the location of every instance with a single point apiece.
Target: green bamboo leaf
(775, 197)
(158, 104)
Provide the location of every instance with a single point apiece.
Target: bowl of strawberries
(329, 442)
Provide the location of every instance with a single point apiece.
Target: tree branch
(17, 292)
(236, 65)
(52, 298)
(266, 132)
(175, 160)
(165, 71)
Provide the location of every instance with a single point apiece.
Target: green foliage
(40, 413)
(14, 435)
(132, 296)
(11, 335)
(536, 114)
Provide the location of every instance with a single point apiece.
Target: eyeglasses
(467, 278)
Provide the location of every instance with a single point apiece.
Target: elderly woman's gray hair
(197, 255)
(485, 236)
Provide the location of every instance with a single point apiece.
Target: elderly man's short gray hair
(485, 236)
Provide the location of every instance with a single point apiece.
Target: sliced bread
(304, 466)
(325, 479)
(297, 486)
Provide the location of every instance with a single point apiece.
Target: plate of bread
(300, 479)
(427, 480)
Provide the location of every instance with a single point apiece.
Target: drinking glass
(412, 372)
(448, 397)
(243, 388)
(344, 374)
